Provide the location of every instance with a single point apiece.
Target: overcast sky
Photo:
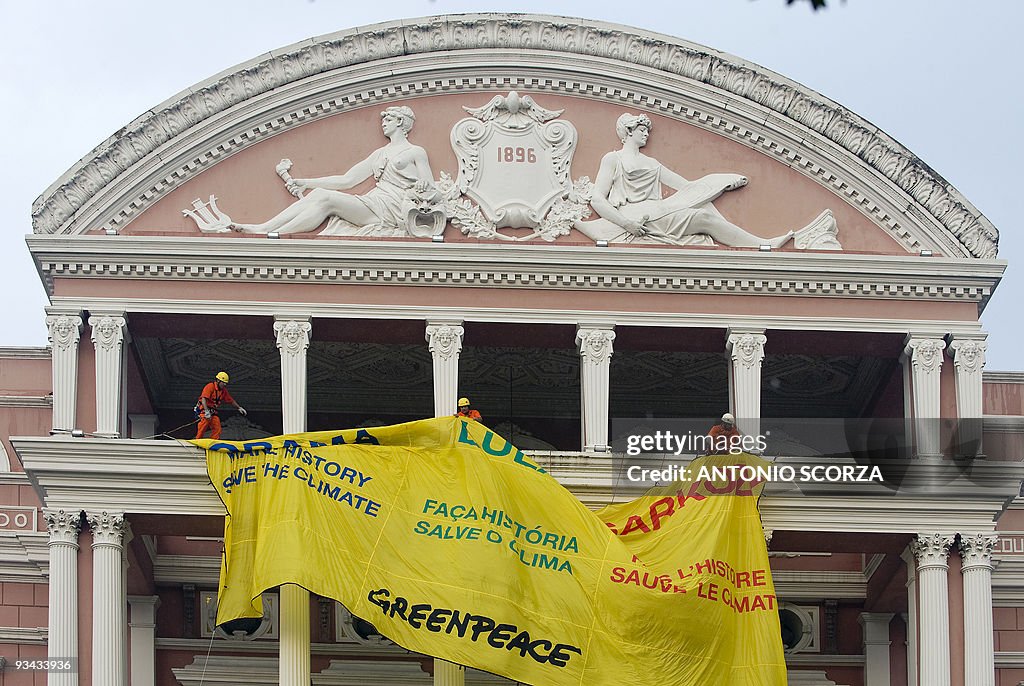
(940, 76)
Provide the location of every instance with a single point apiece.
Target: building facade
(578, 225)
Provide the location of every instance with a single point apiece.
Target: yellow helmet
(463, 402)
(223, 376)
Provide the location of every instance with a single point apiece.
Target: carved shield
(514, 160)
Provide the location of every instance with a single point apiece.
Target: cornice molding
(876, 324)
(164, 477)
(202, 570)
(24, 353)
(1008, 583)
(25, 557)
(1002, 377)
(26, 401)
(793, 585)
(523, 266)
(737, 99)
(24, 635)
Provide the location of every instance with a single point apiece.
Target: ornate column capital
(976, 550)
(444, 340)
(107, 331)
(932, 549)
(292, 335)
(925, 354)
(767, 535)
(968, 353)
(595, 344)
(746, 348)
(108, 528)
(63, 330)
(63, 525)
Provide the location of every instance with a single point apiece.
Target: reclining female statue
(627, 196)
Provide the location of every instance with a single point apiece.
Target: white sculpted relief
(628, 196)
(404, 190)
(514, 160)
(514, 172)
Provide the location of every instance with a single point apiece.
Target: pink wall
(1003, 398)
(25, 376)
(86, 413)
(22, 421)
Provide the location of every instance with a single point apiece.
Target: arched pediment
(477, 55)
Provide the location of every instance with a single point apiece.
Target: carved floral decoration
(63, 525)
(107, 528)
(932, 548)
(976, 549)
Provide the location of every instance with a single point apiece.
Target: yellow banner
(454, 544)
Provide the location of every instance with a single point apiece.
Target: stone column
(108, 335)
(876, 647)
(108, 598)
(979, 662)
(911, 616)
(293, 341)
(448, 674)
(63, 593)
(143, 639)
(925, 356)
(64, 332)
(445, 343)
(969, 361)
(746, 351)
(595, 347)
(932, 552)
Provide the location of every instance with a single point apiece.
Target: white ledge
(169, 478)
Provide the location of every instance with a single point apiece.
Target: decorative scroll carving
(747, 349)
(820, 234)
(514, 160)
(292, 336)
(968, 354)
(64, 331)
(926, 354)
(353, 629)
(107, 332)
(931, 548)
(976, 549)
(595, 345)
(108, 528)
(444, 340)
(63, 525)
